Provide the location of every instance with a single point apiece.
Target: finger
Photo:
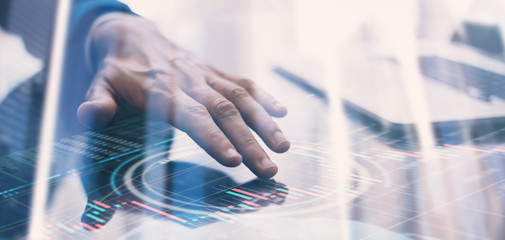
(253, 114)
(230, 121)
(269, 103)
(193, 118)
(100, 106)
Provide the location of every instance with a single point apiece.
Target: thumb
(100, 107)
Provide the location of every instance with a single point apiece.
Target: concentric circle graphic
(310, 183)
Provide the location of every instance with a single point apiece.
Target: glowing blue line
(70, 230)
(96, 207)
(120, 155)
(81, 168)
(95, 218)
(238, 195)
(168, 140)
(26, 185)
(112, 182)
(245, 206)
(220, 218)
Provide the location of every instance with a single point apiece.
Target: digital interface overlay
(149, 177)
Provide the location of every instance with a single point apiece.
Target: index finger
(193, 118)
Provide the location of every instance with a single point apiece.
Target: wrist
(90, 50)
(110, 32)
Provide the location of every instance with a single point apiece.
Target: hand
(141, 70)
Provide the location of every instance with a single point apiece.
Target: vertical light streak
(328, 13)
(324, 43)
(49, 116)
(405, 38)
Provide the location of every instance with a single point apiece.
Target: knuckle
(249, 141)
(224, 109)
(192, 119)
(212, 83)
(238, 94)
(246, 83)
(195, 111)
(196, 91)
(214, 134)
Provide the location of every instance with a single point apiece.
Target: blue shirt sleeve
(84, 13)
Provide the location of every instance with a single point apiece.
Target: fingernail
(232, 154)
(269, 169)
(279, 138)
(278, 105)
(267, 163)
(280, 110)
(282, 143)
